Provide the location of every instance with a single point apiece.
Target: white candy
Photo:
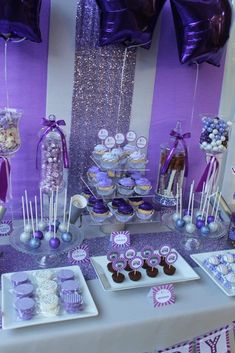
(228, 258)
(229, 123)
(48, 235)
(213, 143)
(187, 218)
(204, 143)
(223, 138)
(213, 260)
(218, 143)
(215, 121)
(190, 228)
(231, 278)
(215, 131)
(211, 136)
(223, 269)
(175, 216)
(213, 227)
(24, 237)
(215, 148)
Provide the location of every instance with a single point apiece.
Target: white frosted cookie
(49, 305)
(47, 287)
(230, 277)
(43, 275)
(228, 258)
(223, 269)
(214, 260)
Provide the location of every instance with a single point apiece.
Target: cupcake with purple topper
(109, 160)
(124, 213)
(100, 211)
(137, 160)
(91, 172)
(126, 186)
(98, 151)
(115, 203)
(143, 186)
(135, 201)
(105, 187)
(145, 211)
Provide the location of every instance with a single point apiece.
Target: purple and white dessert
(143, 186)
(105, 187)
(135, 175)
(100, 176)
(145, 211)
(91, 201)
(92, 171)
(72, 303)
(135, 201)
(100, 211)
(98, 152)
(24, 290)
(126, 186)
(49, 304)
(43, 275)
(86, 193)
(136, 160)
(117, 202)
(70, 287)
(19, 278)
(47, 287)
(124, 213)
(128, 149)
(65, 275)
(109, 160)
(228, 258)
(25, 308)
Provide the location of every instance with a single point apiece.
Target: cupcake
(120, 154)
(100, 176)
(118, 277)
(128, 149)
(98, 152)
(136, 160)
(124, 213)
(134, 276)
(169, 270)
(145, 211)
(91, 201)
(117, 202)
(135, 175)
(92, 171)
(126, 186)
(143, 186)
(135, 201)
(109, 160)
(100, 211)
(105, 187)
(86, 193)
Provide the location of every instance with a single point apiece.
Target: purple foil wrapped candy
(25, 308)
(24, 290)
(72, 303)
(69, 287)
(65, 275)
(19, 278)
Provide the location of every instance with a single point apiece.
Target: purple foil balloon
(19, 19)
(130, 22)
(202, 29)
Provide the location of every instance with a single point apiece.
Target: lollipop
(24, 237)
(28, 227)
(176, 215)
(49, 234)
(190, 227)
(187, 217)
(34, 242)
(54, 242)
(38, 233)
(214, 225)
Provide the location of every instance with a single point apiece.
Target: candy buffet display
(54, 155)
(9, 131)
(214, 141)
(173, 167)
(43, 296)
(129, 269)
(203, 221)
(220, 267)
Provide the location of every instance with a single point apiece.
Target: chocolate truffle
(162, 262)
(145, 265)
(152, 272)
(110, 267)
(135, 275)
(118, 277)
(128, 267)
(169, 270)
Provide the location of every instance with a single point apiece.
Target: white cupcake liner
(144, 217)
(109, 165)
(105, 192)
(123, 218)
(140, 191)
(100, 218)
(124, 191)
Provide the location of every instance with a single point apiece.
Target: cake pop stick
(36, 211)
(28, 227)
(192, 207)
(187, 217)
(207, 210)
(214, 203)
(180, 223)
(41, 203)
(34, 242)
(32, 219)
(41, 223)
(70, 208)
(49, 233)
(199, 212)
(190, 227)
(180, 203)
(63, 225)
(24, 236)
(217, 207)
(55, 214)
(176, 214)
(214, 225)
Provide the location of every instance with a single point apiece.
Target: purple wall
(27, 78)
(173, 97)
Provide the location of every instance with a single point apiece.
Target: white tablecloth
(127, 322)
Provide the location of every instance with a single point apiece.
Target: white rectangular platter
(9, 315)
(183, 273)
(199, 259)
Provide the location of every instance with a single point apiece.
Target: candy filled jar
(54, 156)
(9, 131)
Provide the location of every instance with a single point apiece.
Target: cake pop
(214, 225)
(187, 217)
(198, 213)
(41, 223)
(24, 237)
(67, 236)
(34, 242)
(180, 223)
(176, 215)
(205, 230)
(190, 227)
(54, 242)
(63, 225)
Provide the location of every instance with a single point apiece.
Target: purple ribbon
(178, 138)
(205, 175)
(54, 125)
(5, 170)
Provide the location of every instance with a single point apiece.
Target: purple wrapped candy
(25, 308)
(24, 290)
(65, 275)
(69, 287)
(19, 278)
(72, 303)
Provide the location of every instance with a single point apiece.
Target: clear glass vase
(9, 131)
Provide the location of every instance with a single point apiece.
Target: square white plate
(9, 315)
(199, 259)
(183, 273)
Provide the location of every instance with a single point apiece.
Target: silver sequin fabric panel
(96, 92)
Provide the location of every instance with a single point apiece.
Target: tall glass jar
(51, 161)
(9, 131)
(170, 172)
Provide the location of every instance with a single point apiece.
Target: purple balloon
(130, 22)
(202, 29)
(20, 19)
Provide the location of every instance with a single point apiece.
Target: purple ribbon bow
(208, 172)
(178, 138)
(54, 125)
(4, 177)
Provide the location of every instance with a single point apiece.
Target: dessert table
(128, 323)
